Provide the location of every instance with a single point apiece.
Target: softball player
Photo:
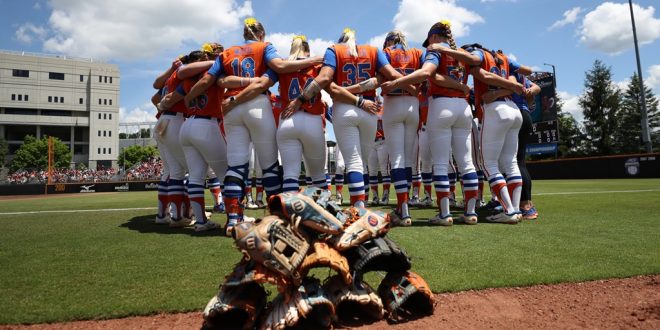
(346, 64)
(424, 150)
(340, 169)
(248, 119)
(378, 161)
(449, 118)
(499, 132)
(301, 133)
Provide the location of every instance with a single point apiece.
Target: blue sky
(143, 37)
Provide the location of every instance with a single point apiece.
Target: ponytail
(446, 26)
(397, 37)
(299, 47)
(348, 38)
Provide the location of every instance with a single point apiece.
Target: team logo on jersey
(456, 72)
(200, 102)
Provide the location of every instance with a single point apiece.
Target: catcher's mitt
(380, 253)
(300, 209)
(353, 302)
(307, 304)
(325, 256)
(406, 295)
(235, 307)
(361, 224)
(273, 243)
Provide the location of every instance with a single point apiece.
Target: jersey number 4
(295, 91)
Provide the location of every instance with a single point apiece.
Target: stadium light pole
(646, 134)
(554, 75)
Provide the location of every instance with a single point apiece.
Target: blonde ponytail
(299, 47)
(397, 37)
(348, 38)
(253, 29)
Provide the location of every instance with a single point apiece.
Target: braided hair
(397, 37)
(299, 47)
(348, 38)
(446, 26)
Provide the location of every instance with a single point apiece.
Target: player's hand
(519, 89)
(176, 63)
(489, 97)
(370, 107)
(387, 87)
(466, 89)
(227, 105)
(291, 108)
(189, 101)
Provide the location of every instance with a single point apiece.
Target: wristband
(302, 99)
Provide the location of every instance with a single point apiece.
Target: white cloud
(128, 29)
(570, 16)
(282, 42)
(652, 78)
(623, 84)
(608, 28)
(27, 32)
(36, 6)
(415, 17)
(143, 113)
(378, 40)
(571, 105)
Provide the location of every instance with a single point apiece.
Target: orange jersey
(208, 103)
(244, 61)
(292, 85)
(352, 70)
(404, 61)
(454, 69)
(170, 86)
(423, 109)
(489, 64)
(276, 103)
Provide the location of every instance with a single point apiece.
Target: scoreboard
(545, 132)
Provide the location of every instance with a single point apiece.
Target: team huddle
(219, 124)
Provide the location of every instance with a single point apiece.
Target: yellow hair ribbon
(445, 23)
(347, 30)
(301, 37)
(207, 48)
(250, 21)
(181, 56)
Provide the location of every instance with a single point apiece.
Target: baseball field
(100, 255)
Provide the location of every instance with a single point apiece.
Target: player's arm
(162, 78)
(446, 81)
(207, 81)
(235, 82)
(418, 76)
(251, 91)
(287, 66)
(495, 80)
(532, 91)
(322, 80)
(169, 100)
(367, 85)
(193, 69)
(459, 54)
(155, 99)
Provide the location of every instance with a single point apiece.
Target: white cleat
(414, 201)
(251, 206)
(162, 221)
(208, 225)
(183, 222)
(469, 219)
(426, 202)
(375, 201)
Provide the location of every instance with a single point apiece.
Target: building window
(50, 99)
(82, 78)
(104, 151)
(61, 99)
(100, 79)
(99, 132)
(80, 100)
(99, 104)
(110, 116)
(20, 73)
(105, 116)
(104, 133)
(111, 80)
(105, 79)
(110, 101)
(13, 97)
(56, 75)
(99, 115)
(26, 98)
(99, 151)
(20, 97)
(105, 101)
(109, 133)
(110, 150)
(55, 99)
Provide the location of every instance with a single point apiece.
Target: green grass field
(60, 266)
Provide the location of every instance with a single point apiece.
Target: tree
(571, 137)
(3, 151)
(629, 136)
(600, 104)
(135, 154)
(34, 154)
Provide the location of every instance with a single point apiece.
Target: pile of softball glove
(304, 231)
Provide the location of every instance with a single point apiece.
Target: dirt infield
(606, 304)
